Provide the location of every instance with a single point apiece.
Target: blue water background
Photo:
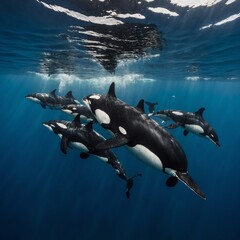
(45, 194)
(48, 195)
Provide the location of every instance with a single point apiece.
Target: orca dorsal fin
(89, 126)
(111, 90)
(53, 92)
(69, 95)
(140, 106)
(77, 121)
(200, 111)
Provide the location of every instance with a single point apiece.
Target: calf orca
(151, 106)
(52, 100)
(191, 122)
(149, 141)
(85, 139)
(75, 109)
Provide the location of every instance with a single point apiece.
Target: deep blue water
(45, 194)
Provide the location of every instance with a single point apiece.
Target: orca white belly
(147, 156)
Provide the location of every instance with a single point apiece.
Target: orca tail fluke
(189, 182)
(130, 184)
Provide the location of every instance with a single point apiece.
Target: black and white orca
(149, 141)
(191, 122)
(151, 106)
(75, 109)
(84, 138)
(52, 100)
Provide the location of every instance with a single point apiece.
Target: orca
(151, 106)
(75, 109)
(52, 100)
(84, 138)
(191, 122)
(144, 136)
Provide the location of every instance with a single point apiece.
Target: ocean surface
(182, 54)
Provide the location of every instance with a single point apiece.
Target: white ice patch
(230, 2)
(229, 19)
(177, 113)
(195, 3)
(122, 130)
(60, 135)
(102, 116)
(163, 11)
(61, 125)
(147, 156)
(127, 15)
(95, 96)
(106, 20)
(194, 128)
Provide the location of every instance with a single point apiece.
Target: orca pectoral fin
(172, 126)
(112, 143)
(185, 132)
(84, 155)
(130, 184)
(189, 182)
(43, 106)
(64, 144)
(172, 181)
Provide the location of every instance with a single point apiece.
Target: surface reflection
(107, 45)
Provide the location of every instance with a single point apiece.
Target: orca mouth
(47, 125)
(86, 102)
(29, 97)
(66, 110)
(215, 142)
